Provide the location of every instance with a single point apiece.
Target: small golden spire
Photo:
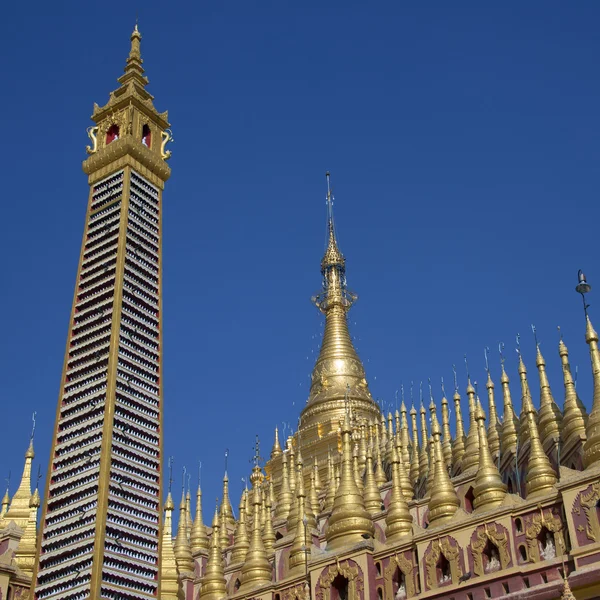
(550, 417)
(432, 466)
(510, 423)
(390, 438)
(213, 583)
(397, 422)
(169, 575)
(223, 532)
(313, 507)
(372, 497)
(331, 485)
(414, 460)
(566, 594)
(405, 485)
(269, 536)
(493, 432)
(404, 436)
(356, 469)
(424, 454)
(574, 413)
(540, 477)
(276, 450)
(488, 489)
(317, 485)
(443, 502)
(446, 435)
(458, 448)
(133, 67)
(293, 467)
(591, 448)
(299, 551)
(226, 503)
(256, 570)
(525, 396)
(183, 551)
(284, 500)
(362, 456)
(198, 537)
(5, 504)
(349, 520)
(26, 550)
(380, 477)
(19, 507)
(398, 519)
(188, 514)
(471, 457)
(383, 437)
(294, 515)
(241, 542)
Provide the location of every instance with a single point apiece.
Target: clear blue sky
(462, 139)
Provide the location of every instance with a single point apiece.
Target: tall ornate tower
(101, 516)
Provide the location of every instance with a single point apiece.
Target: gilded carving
(92, 132)
(451, 554)
(298, 592)
(349, 570)
(167, 136)
(406, 566)
(534, 526)
(589, 500)
(498, 536)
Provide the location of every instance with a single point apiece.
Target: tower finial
(170, 473)
(455, 379)
(226, 457)
(486, 352)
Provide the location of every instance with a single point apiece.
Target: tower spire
(574, 413)
(510, 423)
(443, 502)
(198, 537)
(550, 417)
(349, 520)
(488, 489)
(591, 448)
(19, 507)
(458, 448)
(169, 574)
(471, 456)
(338, 371)
(213, 583)
(447, 438)
(133, 67)
(493, 431)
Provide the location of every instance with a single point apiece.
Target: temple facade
(355, 505)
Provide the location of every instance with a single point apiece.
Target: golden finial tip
(590, 332)
(35, 499)
(169, 505)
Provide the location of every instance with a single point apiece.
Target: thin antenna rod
(199, 473)
(501, 351)
(534, 331)
(486, 352)
(467, 368)
(183, 480)
(443, 389)
(455, 379)
(33, 426)
(430, 390)
(411, 393)
(226, 457)
(170, 473)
